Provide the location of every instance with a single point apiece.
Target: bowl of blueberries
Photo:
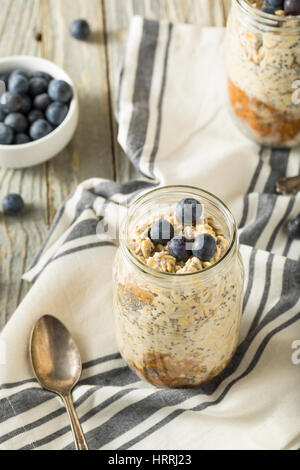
(38, 111)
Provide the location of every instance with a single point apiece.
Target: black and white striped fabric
(175, 128)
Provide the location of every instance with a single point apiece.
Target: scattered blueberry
(204, 247)
(16, 121)
(37, 86)
(2, 114)
(56, 113)
(59, 90)
(12, 204)
(18, 84)
(189, 211)
(42, 101)
(44, 75)
(293, 228)
(161, 231)
(6, 134)
(268, 10)
(39, 129)
(275, 4)
(26, 104)
(11, 102)
(34, 115)
(80, 29)
(22, 138)
(178, 248)
(292, 7)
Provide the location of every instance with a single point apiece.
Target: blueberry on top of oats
(292, 7)
(204, 247)
(268, 10)
(161, 232)
(178, 249)
(189, 211)
(276, 4)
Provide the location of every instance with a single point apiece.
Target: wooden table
(94, 67)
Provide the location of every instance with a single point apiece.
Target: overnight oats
(178, 287)
(263, 67)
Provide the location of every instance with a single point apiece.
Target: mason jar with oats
(178, 287)
(263, 68)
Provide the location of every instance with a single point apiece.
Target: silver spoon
(57, 366)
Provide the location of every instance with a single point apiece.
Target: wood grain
(20, 237)
(94, 67)
(89, 154)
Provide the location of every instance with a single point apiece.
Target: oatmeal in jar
(178, 283)
(263, 65)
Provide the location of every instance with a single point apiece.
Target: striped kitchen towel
(175, 127)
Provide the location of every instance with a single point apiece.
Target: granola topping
(157, 256)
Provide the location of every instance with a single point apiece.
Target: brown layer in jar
(162, 370)
(262, 118)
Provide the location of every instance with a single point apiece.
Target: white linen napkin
(176, 129)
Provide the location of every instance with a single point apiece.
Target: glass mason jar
(263, 69)
(177, 330)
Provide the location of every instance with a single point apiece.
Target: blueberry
(268, 10)
(161, 232)
(18, 84)
(178, 248)
(204, 247)
(42, 101)
(59, 90)
(292, 7)
(16, 121)
(6, 134)
(44, 75)
(80, 29)
(56, 113)
(26, 104)
(189, 211)
(37, 86)
(34, 115)
(2, 114)
(39, 129)
(12, 204)
(22, 138)
(293, 228)
(19, 72)
(11, 102)
(275, 4)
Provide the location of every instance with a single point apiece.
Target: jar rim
(173, 276)
(274, 23)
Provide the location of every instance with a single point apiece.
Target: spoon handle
(79, 439)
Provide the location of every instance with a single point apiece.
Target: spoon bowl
(57, 366)
(54, 355)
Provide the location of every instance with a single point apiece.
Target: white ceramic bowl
(38, 151)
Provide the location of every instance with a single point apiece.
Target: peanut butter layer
(265, 120)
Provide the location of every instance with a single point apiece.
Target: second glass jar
(263, 68)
